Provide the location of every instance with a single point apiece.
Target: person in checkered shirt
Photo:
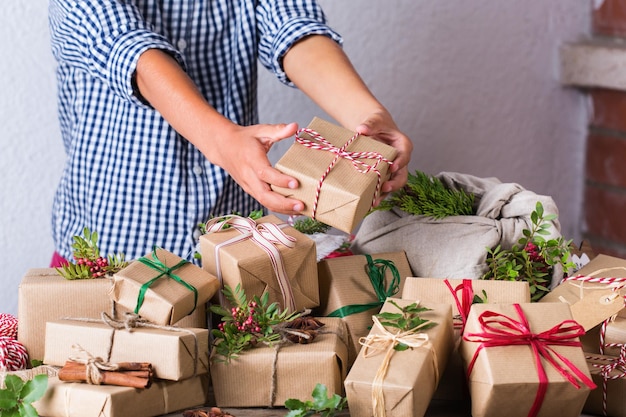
(158, 113)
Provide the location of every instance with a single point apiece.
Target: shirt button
(197, 170)
(182, 44)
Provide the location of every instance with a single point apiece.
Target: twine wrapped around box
(608, 368)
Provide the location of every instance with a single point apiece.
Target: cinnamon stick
(76, 372)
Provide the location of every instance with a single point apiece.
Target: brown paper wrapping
(615, 333)
(247, 380)
(504, 380)
(65, 399)
(248, 264)
(615, 389)
(346, 194)
(166, 301)
(411, 378)
(44, 295)
(171, 353)
(344, 281)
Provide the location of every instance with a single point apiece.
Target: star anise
(302, 329)
(213, 412)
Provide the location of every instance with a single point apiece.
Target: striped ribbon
(318, 142)
(610, 369)
(13, 355)
(615, 283)
(266, 236)
(500, 330)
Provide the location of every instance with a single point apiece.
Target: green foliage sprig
(408, 319)
(308, 226)
(321, 404)
(533, 258)
(254, 215)
(88, 262)
(17, 398)
(247, 323)
(427, 195)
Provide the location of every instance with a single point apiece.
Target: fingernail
(298, 207)
(293, 184)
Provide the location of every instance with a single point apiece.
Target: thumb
(275, 133)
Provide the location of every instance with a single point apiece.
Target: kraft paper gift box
(346, 194)
(266, 376)
(503, 370)
(235, 258)
(349, 285)
(175, 353)
(411, 376)
(73, 399)
(44, 295)
(614, 334)
(609, 374)
(162, 287)
(453, 384)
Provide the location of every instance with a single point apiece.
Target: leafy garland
(17, 398)
(533, 258)
(427, 195)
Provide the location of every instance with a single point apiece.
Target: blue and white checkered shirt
(129, 176)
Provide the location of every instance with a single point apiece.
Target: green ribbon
(164, 270)
(376, 271)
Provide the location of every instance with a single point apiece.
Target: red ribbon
(318, 142)
(501, 330)
(463, 304)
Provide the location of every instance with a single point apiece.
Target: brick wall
(605, 185)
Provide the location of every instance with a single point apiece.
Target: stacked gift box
(481, 350)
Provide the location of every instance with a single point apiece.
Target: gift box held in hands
(384, 381)
(162, 287)
(340, 173)
(525, 360)
(266, 255)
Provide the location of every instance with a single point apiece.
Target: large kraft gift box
(453, 384)
(609, 374)
(246, 263)
(74, 399)
(411, 376)
(351, 284)
(44, 295)
(502, 368)
(175, 353)
(593, 296)
(266, 376)
(346, 195)
(162, 287)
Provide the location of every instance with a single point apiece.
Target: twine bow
(464, 303)
(386, 341)
(376, 269)
(164, 271)
(318, 142)
(93, 365)
(501, 330)
(610, 369)
(266, 236)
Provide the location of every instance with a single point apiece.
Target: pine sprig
(309, 226)
(427, 195)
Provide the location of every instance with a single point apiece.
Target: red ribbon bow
(463, 304)
(318, 142)
(501, 330)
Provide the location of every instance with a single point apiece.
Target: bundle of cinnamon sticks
(127, 374)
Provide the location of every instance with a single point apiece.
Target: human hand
(380, 126)
(242, 152)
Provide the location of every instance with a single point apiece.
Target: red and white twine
(13, 355)
(612, 368)
(318, 142)
(266, 236)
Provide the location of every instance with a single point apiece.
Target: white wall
(473, 83)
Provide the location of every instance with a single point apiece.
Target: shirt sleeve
(105, 39)
(280, 24)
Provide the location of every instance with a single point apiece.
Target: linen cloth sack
(455, 246)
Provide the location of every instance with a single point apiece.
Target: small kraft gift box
(267, 376)
(525, 360)
(162, 287)
(263, 256)
(355, 287)
(386, 380)
(609, 374)
(44, 295)
(340, 173)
